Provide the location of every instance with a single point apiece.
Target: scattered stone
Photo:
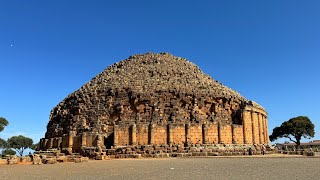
(12, 159)
(50, 161)
(36, 159)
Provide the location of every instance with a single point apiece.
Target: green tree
(8, 152)
(3, 143)
(3, 123)
(20, 143)
(294, 129)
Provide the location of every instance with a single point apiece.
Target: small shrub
(8, 152)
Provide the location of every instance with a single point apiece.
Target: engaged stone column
(134, 134)
(244, 127)
(70, 142)
(50, 142)
(170, 134)
(219, 134)
(45, 142)
(151, 134)
(65, 140)
(59, 142)
(84, 139)
(247, 127)
(261, 128)
(115, 133)
(41, 144)
(204, 134)
(266, 129)
(187, 132)
(234, 141)
(255, 128)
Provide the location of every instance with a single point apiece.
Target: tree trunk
(298, 138)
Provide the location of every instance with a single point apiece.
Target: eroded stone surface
(154, 99)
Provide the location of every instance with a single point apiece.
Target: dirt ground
(172, 168)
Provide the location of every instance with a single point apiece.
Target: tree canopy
(294, 129)
(3, 143)
(8, 152)
(20, 143)
(3, 123)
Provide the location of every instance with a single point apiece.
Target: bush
(8, 152)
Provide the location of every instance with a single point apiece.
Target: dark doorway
(236, 117)
(108, 141)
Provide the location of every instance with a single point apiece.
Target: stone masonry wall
(142, 134)
(160, 135)
(254, 129)
(177, 134)
(225, 134)
(195, 135)
(237, 134)
(213, 134)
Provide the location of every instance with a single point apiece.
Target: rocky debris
(53, 157)
(180, 151)
(36, 159)
(25, 159)
(12, 159)
(52, 160)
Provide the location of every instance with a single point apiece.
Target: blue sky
(269, 51)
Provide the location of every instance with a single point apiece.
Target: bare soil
(172, 168)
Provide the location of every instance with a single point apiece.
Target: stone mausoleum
(154, 100)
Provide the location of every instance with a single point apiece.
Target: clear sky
(269, 51)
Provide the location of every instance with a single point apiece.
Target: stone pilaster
(84, 139)
(204, 134)
(219, 133)
(255, 128)
(233, 134)
(187, 132)
(45, 142)
(266, 130)
(59, 142)
(151, 133)
(261, 132)
(247, 127)
(170, 134)
(115, 133)
(70, 139)
(134, 134)
(41, 143)
(50, 142)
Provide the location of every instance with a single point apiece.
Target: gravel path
(193, 168)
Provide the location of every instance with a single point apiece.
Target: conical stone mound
(143, 90)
